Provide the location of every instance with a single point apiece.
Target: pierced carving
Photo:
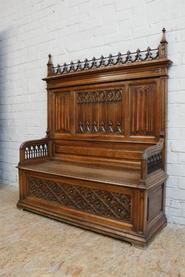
(138, 55)
(88, 128)
(94, 201)
(81, 127)
(118, 127)
(110, 128)
(36, 151)
(148, 54)
(111, 60)
(154, 162)
(101, 96)
(95, 127)
(103, 127)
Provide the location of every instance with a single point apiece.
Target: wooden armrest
(34, 149)
(153, 150)
(152, 158)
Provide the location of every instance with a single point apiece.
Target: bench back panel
(107, 114)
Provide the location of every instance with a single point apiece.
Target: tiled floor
(31, 245)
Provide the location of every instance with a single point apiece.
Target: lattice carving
(154, 162)
(36, 151)
(95, 201)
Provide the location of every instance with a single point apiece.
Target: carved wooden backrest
(104, 107)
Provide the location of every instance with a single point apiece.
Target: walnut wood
(102, 163)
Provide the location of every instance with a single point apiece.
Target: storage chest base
(131, 214)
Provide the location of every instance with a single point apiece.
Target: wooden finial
(47, 133)
(50, 65)
(163, 45)
(163, 39)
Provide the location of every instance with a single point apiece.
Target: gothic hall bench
(102, 164)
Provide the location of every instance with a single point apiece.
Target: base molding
(136, 239)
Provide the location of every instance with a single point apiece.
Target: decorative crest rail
(111, 60)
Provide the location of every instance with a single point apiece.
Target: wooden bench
(102, 163)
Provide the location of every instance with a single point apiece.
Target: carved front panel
(155, 202)
(100, 111)
(142, 109)
(95, 201)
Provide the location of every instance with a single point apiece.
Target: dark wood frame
(102, 163)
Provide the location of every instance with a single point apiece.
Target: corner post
(163, 45)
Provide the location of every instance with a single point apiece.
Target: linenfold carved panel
(100, 111)
(95, 201)
(142, 106)
(62, 112)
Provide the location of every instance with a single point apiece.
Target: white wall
(74, 29)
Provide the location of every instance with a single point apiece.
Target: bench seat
(120, 177)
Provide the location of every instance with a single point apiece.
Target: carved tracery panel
(100, 111)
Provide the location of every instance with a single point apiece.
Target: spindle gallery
(101, 165)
